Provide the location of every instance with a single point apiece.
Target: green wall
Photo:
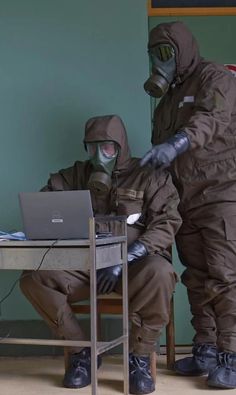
(63, 61)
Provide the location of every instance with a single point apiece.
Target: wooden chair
(112, 304)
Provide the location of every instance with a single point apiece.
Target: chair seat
(112, 295)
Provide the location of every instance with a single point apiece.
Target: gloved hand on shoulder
(163, 154)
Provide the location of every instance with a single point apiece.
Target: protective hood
(185, 46)
(109, 127)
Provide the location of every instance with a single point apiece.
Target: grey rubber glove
(163, 154)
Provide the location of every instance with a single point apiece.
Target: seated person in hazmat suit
(118, 187)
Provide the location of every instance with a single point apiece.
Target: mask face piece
(102, 155)
(162, 57)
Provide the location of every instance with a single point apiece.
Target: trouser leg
(151, 285)
(51, 292)
(220, 251)
(208, 249)
(190, 248)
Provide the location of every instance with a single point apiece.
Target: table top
(61, 254)
(61, 243)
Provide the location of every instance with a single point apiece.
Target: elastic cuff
(143, 341)
(180, 142)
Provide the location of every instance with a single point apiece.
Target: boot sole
(192, 374)
(215, 385)
(75, 386)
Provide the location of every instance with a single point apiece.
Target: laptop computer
(56, 215)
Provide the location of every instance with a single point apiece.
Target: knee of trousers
(26, 281)
(29, 279)
(160, 271)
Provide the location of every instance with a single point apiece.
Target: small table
(89, 255)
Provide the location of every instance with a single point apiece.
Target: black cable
(44, 255)
(24, 275)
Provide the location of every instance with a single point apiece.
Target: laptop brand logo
(56, 217)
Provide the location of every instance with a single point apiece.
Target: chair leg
(66, 357)
(153, 365)
(170, 338)
(99, 326)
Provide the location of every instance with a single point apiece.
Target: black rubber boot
(78, 374)
(224, 375)
(202, 361)
(140, 379)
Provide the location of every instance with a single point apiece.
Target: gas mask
(102, 155)
(162, 57)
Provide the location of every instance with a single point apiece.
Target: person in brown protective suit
(118, 187)
(194, 132)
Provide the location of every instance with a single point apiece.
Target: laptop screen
(56, 215)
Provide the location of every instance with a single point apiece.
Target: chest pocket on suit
(130, 201)
(184, 112)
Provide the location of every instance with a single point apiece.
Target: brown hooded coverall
(152, 279)
(203, 104)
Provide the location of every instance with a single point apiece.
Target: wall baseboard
(178, 349)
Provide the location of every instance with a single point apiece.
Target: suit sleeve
(161, 218)
(64, 180)
(213, 108)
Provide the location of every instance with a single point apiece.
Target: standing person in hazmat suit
(149, 200)
(194, 133)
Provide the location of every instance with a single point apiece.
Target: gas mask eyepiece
(162, 57)
(102, 155)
